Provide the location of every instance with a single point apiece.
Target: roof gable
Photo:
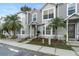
(50, 5)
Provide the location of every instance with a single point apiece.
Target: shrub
(13, 37)
(2, 36)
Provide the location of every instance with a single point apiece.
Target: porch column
(30, 31)
(67, 30)
(45, 30)
(36, 30)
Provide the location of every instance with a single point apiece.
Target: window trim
(32, 17)
(48, 13)
(46, 30)
(75, 8)
(22, 31)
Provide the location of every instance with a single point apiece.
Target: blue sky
(12, 8)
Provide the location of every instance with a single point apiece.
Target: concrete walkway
(76, 50)
(43, 49)
(73, 43)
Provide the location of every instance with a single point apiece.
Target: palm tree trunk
(56, 38)
(14, 35)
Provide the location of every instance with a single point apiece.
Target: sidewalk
(43, 49)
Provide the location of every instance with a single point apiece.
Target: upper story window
(34, 17)
(71, 8)
(47, 14)
(51, 13)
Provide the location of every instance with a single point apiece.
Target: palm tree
(12, 24)
(4, 25)
(56, 23)
(5, 28)
(1, 27)
(25, 8)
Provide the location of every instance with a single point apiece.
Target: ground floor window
(48, 30)
(23, 32)
(53, 30)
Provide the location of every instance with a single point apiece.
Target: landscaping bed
(23, 40)
(54, 43)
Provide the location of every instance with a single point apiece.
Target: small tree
(6, 28)
(56, 23)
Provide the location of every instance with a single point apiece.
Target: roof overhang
(73, 16)
(36, 23)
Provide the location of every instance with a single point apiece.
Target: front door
(71, 30)
(34, 30)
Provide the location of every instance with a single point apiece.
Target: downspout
(67, 30)
(56, 9)
(56, 17)
(55, 29)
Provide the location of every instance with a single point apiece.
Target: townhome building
(38, 20)
(68, 12)
(23, 32)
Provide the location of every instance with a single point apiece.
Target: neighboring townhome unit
(68, 12)
(35, 22)
(48, 13)
(23, 32)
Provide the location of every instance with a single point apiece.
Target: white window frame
(46, 30)
(48, 13)
(32, 17)
(75, 8)
(43, 12)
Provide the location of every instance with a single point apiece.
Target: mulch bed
(54, 43)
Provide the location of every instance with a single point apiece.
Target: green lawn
(61, 45)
